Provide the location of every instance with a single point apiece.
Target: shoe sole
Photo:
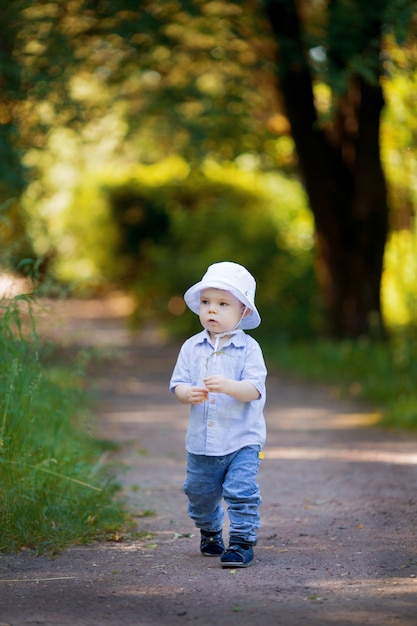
(233, 565)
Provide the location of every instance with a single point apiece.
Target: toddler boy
(221, 373)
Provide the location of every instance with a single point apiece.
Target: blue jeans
(232, 477)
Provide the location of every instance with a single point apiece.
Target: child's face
(220, 311)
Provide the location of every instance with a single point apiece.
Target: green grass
(56, 488)
(384, 375)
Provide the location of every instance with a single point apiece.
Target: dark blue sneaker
(211, 544)
(237, 555)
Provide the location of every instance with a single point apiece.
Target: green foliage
(54, 488)
(399, 280)
(400, 19)
(183, 77)
(354, 35)
(381, 375)
(12, 170)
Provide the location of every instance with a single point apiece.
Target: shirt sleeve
(254, 370)
(181, 373)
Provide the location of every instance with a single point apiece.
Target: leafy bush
(54, 488)
(169, 234)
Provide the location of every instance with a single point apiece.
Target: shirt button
(210, 424)
(212, 401)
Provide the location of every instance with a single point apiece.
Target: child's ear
(246, 312)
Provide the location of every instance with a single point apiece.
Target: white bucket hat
(230, 277)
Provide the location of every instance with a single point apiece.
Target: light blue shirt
(222, 425)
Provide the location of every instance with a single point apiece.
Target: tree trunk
(343, 177)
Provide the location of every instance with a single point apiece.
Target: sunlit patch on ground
(342, 454)
(11, 285)
(316, 419)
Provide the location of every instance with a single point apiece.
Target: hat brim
(192, 300)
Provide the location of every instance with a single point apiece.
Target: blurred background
(141, 142)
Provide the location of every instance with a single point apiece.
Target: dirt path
(338, 542)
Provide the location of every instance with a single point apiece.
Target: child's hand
(217, 383)
(242, 390)
(190, 395)
(197, 395)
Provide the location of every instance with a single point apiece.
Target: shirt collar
(237, 339)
